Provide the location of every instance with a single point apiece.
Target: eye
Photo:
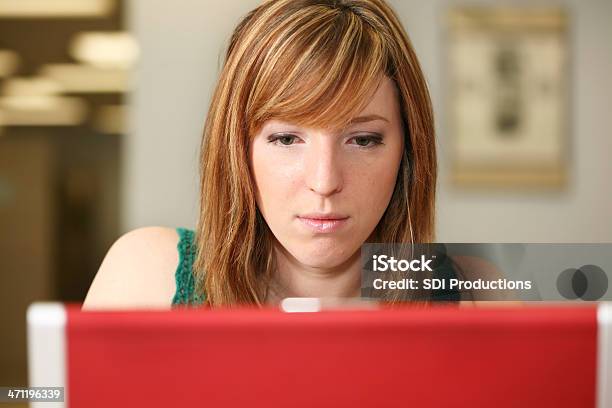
(368, 141)
(285, 139)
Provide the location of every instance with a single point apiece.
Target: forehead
(384, 100)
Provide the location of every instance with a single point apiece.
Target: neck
(294, 279)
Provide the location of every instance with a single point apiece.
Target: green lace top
(185, 282)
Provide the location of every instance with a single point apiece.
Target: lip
(325, 223)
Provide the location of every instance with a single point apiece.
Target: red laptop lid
(438, 356)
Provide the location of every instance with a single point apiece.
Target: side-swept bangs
(320, 74)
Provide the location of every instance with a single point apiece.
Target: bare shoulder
(137, 272)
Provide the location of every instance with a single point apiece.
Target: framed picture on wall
(508, 96)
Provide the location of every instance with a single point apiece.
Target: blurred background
(102, 104)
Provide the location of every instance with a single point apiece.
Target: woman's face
(322, 193)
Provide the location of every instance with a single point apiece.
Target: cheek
(276, 179)
(373, 185)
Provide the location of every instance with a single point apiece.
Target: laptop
(436, 356)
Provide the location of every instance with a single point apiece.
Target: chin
(324, 254)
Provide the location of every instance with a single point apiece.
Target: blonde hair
(310, 62)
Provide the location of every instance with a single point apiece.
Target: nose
(323, 168)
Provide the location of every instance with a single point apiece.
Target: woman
(319, 137)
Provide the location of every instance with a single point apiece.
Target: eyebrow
(367, 118)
